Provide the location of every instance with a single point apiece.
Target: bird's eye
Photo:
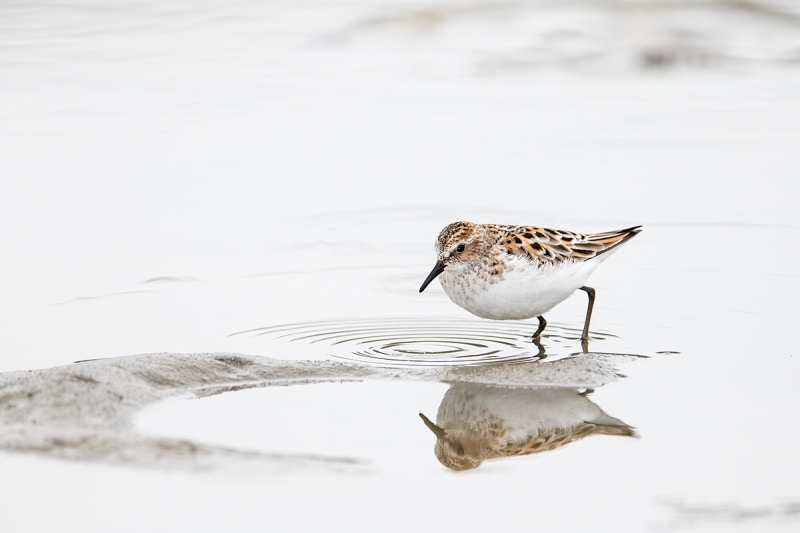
(460, 450)
(460, 248)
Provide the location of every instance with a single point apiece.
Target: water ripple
(440, 341)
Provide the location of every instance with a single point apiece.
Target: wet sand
(86, 411)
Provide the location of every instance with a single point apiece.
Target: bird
(506, 272)
(478, 422)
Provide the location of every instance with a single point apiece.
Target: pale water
(268, 179)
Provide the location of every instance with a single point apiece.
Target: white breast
(524, 290)
(523, 411)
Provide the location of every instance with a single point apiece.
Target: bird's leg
(541, 355)
(585, 336)
(540, 329)
(584, 347)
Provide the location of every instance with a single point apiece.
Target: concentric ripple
(423, 341)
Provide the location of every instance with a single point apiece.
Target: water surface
(268, 179)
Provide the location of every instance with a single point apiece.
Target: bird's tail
(612, 239)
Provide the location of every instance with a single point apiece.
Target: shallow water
(401, 341)
(268, 179)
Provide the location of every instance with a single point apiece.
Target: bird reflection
(477, 422)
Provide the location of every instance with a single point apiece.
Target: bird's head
(458, 245)
(456, 452)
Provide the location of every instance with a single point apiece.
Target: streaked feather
(546, 245)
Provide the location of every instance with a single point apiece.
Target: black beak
(437, 269)
(439, 432)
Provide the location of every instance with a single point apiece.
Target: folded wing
(546, 245)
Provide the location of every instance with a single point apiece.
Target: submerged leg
(541, 327)
(590, 292)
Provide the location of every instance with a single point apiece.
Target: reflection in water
(477, 422)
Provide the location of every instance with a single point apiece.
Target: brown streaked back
(546, 245)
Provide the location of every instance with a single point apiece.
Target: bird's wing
(556, 438)
(546, 245)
